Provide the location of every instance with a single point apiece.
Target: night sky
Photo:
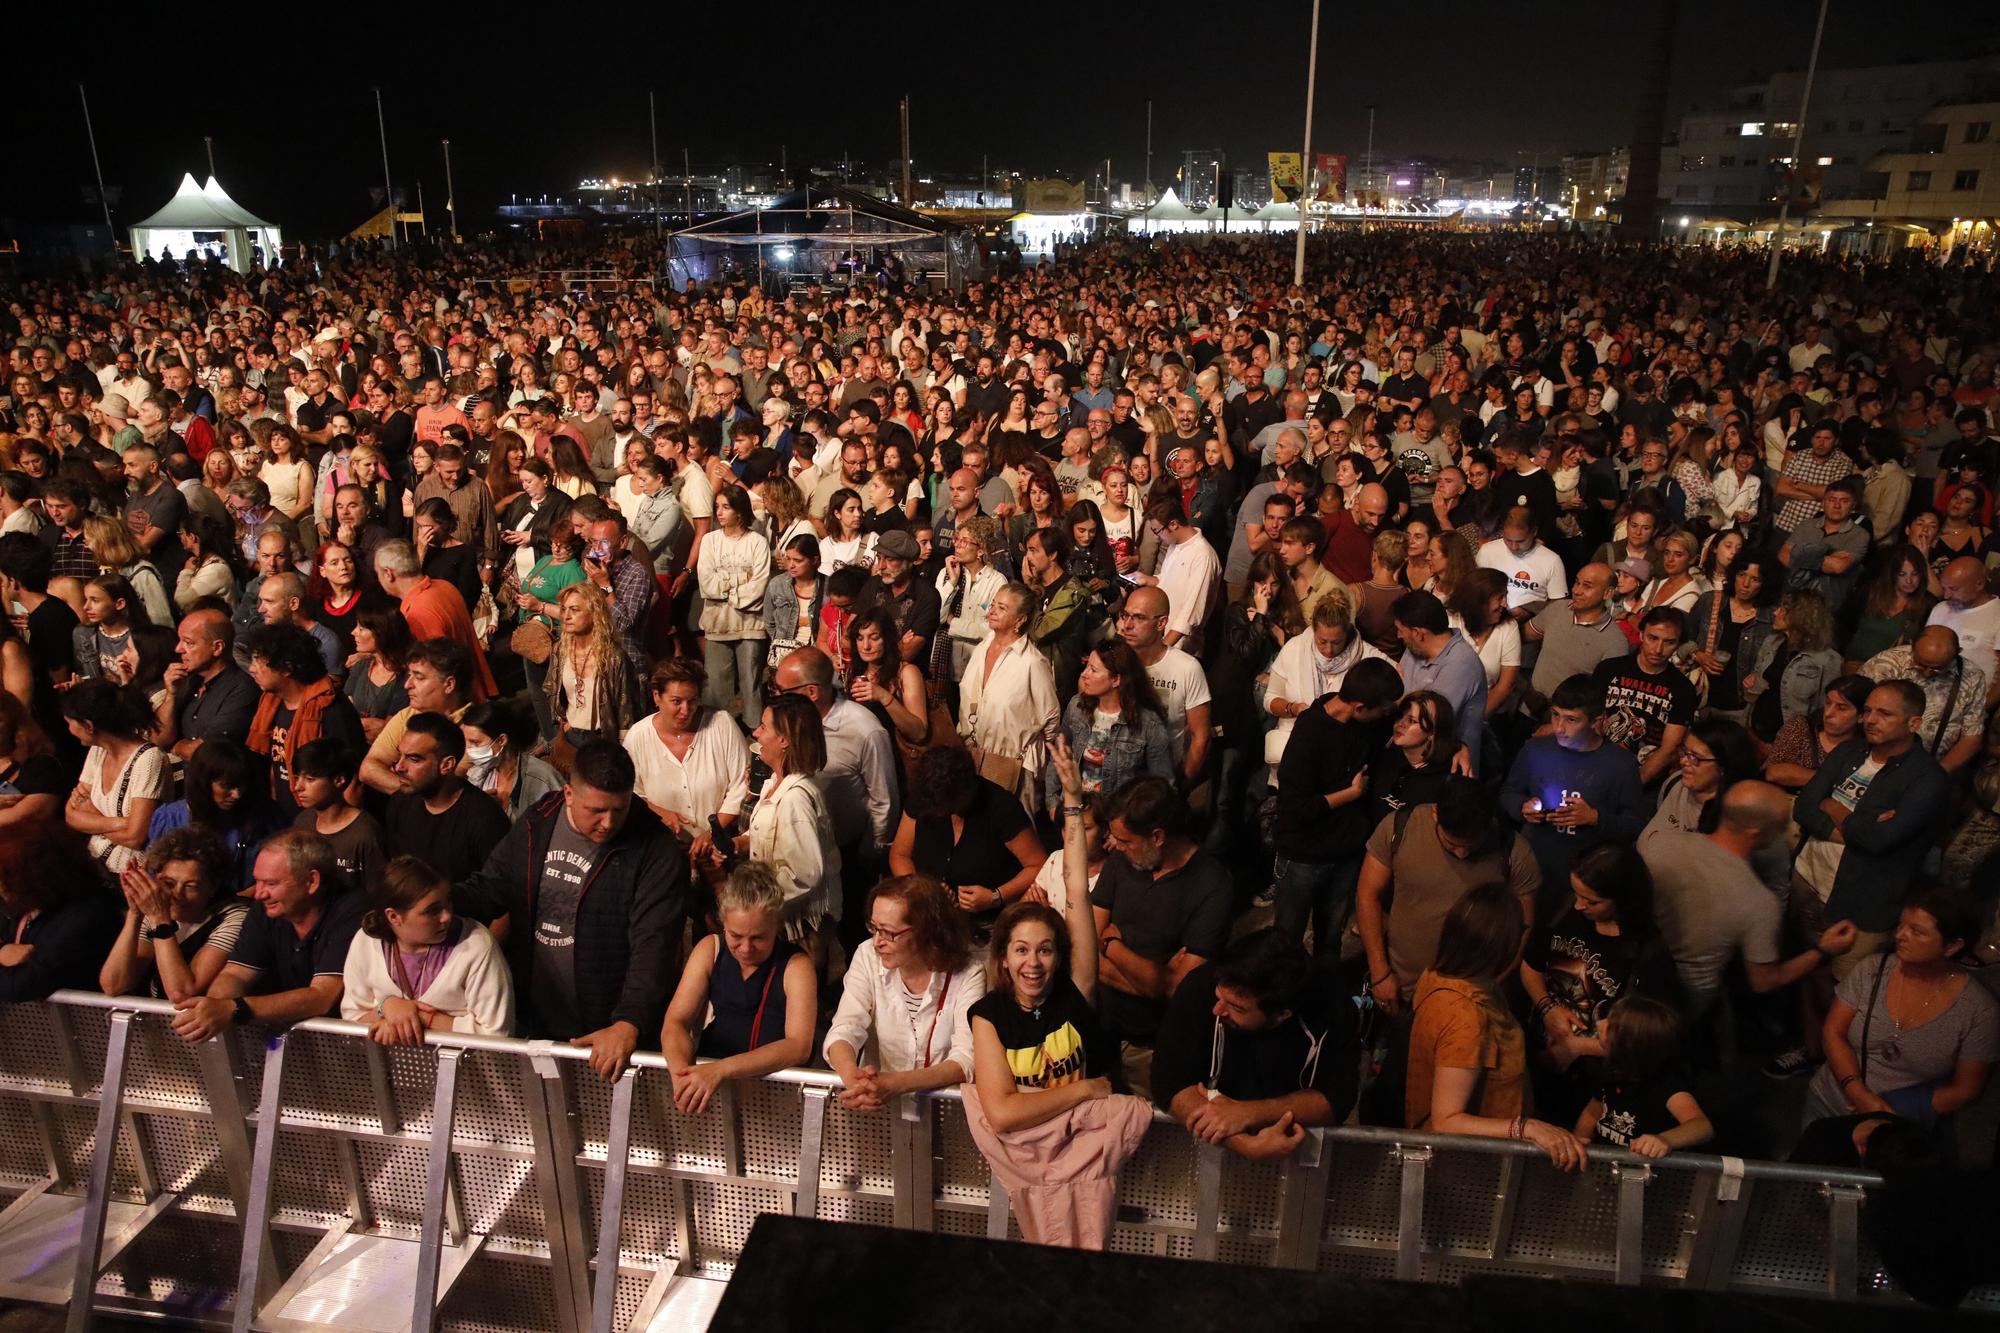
(533, 106)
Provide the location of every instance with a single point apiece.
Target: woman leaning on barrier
(417, 966)
(1040, 1105)
(747, 998)
(906, 995)
(182, 916)
(1468, 1059)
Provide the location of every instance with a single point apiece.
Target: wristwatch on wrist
(166, 930)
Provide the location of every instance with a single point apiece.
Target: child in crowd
(1644, 1104)
(322, 771)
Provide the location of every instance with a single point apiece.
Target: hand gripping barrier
(307, 1179)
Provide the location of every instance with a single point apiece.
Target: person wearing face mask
(499, 758)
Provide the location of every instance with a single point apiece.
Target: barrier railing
(491, 1184)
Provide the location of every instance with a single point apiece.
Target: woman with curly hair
(590, 686)
(905, 997)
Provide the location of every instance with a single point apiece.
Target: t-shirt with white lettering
(1535, 577)
(1181, 685)
(1819, 861)
(552, 1008)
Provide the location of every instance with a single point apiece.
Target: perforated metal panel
(1570, 1221)
(1361, 1205)
(723, 1215)
(1784, 1237)
(34, 1050)
(709, 1177)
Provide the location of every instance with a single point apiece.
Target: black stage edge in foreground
(801, 1274)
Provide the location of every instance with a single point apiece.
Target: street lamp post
(1798, 143)
(450, 195)
(1306, 157)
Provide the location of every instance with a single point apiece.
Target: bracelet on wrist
(1851, 1078)
(1376, 981)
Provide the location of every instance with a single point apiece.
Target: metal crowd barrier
(489, 1184)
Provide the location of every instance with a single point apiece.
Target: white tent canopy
(204, 219)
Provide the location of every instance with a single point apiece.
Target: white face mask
(481, 756)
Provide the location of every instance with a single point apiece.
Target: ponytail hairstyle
(406, 881)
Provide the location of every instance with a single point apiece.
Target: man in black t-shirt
(438, 815)
(288, 962)
(1648, 703)
(1252, 1050)
(1163, 909)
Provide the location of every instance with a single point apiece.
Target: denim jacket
(1129, 752)
(781, 608)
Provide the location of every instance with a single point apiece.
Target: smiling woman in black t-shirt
(1040, 1106)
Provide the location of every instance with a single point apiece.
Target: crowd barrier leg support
(1843, 1242)
(911, 1166)
(224, 1089)
(97, 1201)
(812, 1152)
(1207, 1200)
(1302, 1207)
(256, 1260)
(611, 1218)
(554, 1130)
(1718, 1232)
(437, 1182)
(1630, 1262)
(1410, 1213)
(1507, 1197)
(998, 1209)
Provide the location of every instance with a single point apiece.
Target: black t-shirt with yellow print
(1055, 1044)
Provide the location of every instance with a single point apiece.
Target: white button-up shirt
(883, 1030)
(714, 778)
(860, 775)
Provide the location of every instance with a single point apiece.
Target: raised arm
(1077, 911)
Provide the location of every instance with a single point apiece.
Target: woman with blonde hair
(1008, 707)
(110, 542)
(368, 471)
(784, 511)
(591, 690)
(1678, 584)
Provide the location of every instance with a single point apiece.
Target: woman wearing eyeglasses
(901, 1025)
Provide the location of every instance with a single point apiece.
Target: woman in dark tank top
(747, 998)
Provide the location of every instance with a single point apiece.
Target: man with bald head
(859, 780)
(961, 506)
(1954, 722)
(1713, 908)
(1177, 677)
(1972, 611)
(1350, 536)
(1576, 632)
(208, 697)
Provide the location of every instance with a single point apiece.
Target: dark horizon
(525, 119)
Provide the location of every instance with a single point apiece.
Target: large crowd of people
(1497, 687)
